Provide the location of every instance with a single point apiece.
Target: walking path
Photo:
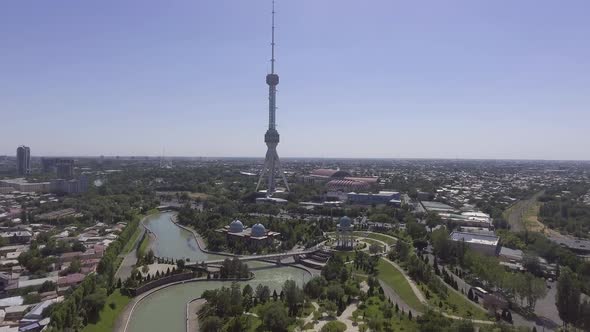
(422, 299)
(192, 317)
(412, 283)
(130, 259)
(309, 318)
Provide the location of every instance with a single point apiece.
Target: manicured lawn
(344, 255)
(458, 305)
(108, 315)
(394, 279)
(143, 246)
(129, 245)
(381, 237)
(372, 241)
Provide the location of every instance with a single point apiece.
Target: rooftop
(490, 240)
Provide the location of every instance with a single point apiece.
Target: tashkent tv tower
(272, 165)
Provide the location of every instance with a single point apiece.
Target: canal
(165, 310)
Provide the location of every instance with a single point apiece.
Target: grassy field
(144, 245)
(372, 310)
(458, 305)
(129, 245)
(371, 241)
(381, 237)
(108, 315)
(395, 279)
(531, 218)
(344, 255)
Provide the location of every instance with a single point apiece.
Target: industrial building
(431, 206)
(468, 219)
(382, 197)
(486, 244)
(73, 186)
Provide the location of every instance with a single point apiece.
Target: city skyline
(470, 81)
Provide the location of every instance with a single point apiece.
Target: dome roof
(236, 226)
(345, 222)
(258, 230)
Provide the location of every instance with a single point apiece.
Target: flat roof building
(382, 197)
(431, 206)
(482, 243)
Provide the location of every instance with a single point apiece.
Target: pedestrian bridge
(276, 257)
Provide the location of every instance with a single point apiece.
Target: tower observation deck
(272, 165)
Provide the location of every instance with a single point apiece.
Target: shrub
(334, 326)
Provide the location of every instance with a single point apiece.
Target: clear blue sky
(381, 78)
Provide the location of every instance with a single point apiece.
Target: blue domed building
(344, 237)
(258, 235)
(236, 227)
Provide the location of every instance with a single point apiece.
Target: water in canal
(165, 310)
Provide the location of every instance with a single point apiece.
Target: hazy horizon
(498, 80)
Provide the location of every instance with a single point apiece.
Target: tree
(585, 316)
(432, 219)
(441, 243)
(47, 286)
(275, 318)
(375, 248)
(93, 303)
(78, 246)
(180, 263)
(334, 326)
(567, 298)
(293, 296)
(236, 307)
(75, 266)
(247, 294)
(415, 230)
(262, 293)
(211, 324)
(314, 287)
(335, 292)
(535, 289)
(334, 268)
(531, 263)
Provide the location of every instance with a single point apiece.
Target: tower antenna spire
(272, 43)
(272, 165)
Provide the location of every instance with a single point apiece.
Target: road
(516, 214)
(547, 317)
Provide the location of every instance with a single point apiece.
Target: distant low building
(17, 237)
(469, 219)
(382, 197)
(73, 186)
(484, 244)
(324, 175)
(57, 215)
(431, 206)
(271, 200)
